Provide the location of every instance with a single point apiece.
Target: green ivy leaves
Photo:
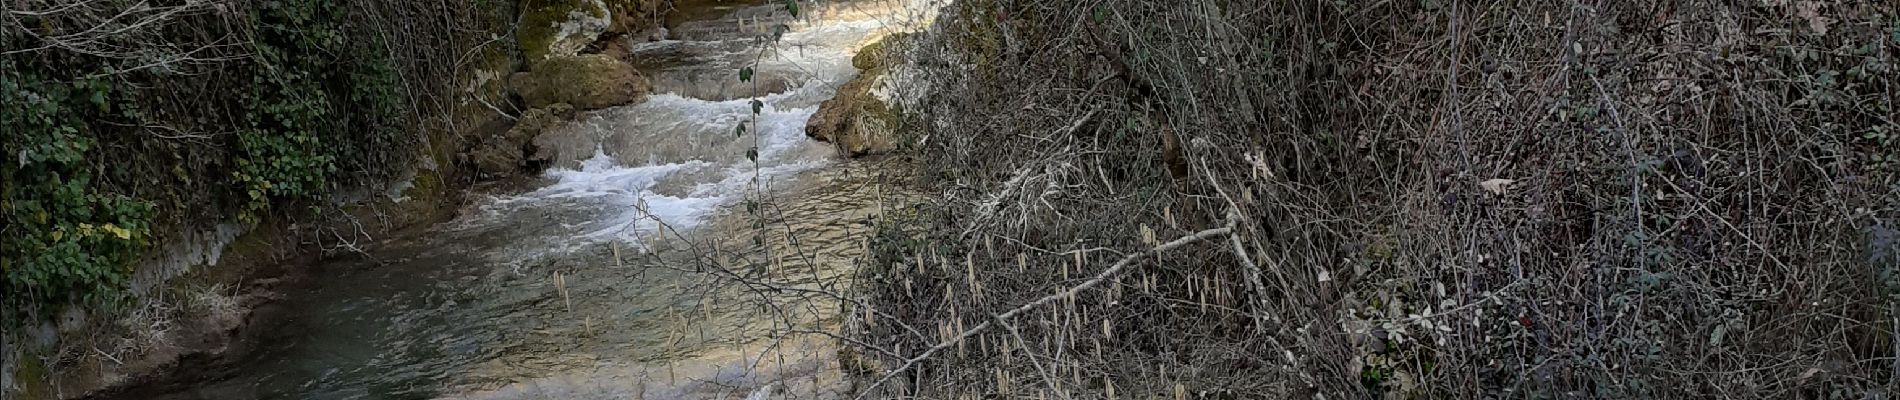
(283, 153)
(67, 240)
(317, 97)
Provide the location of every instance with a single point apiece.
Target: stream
(594, 282)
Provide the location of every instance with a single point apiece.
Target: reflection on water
(564, 291)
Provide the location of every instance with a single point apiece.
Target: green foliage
(280, 154)
(315, 99)
(293, 141)
(376, 135)
(374, 91)
(66, 239)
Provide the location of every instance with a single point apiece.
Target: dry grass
(1684, 199)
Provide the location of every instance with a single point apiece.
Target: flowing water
(604, 280)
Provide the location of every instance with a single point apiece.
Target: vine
(755, 195)
(315, 103)
(66, 241)
(280, 152)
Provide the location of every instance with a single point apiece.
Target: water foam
(630, 192)
(674, 161)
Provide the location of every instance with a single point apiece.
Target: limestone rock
(856, 119)
(587, 82)
(553, 28)
(508, 153)
(539, 120)
(496, 159)
(856, 122)
(558, 28)
(564, 148)
(632, 16)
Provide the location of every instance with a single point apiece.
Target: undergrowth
(187, 113)
(1442, 199)
(65, 241)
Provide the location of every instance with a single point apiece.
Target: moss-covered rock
(553, 28)
(508, 153)
(876, 56)
(564, 148)
(587, 82)
(631, 16)
(556, 28)
(856, 120)
(858, 123)
(539, 120)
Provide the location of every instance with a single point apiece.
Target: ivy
(281, 151)
(318, 96)
(377, 107)
(65, 239)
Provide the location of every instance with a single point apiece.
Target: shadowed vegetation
(1437, 199)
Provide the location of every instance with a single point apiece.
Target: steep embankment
(1612, 199)
(172, 167)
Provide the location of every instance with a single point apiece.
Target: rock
(856, 119)
(558, 28)
(856, 122)
(72, 320)
(565, 148)
(630, 16)
(43, 336)
(876, 56)
(553, 28)
(507, 154)
(496, 159)
(539, 120)
(587, 82)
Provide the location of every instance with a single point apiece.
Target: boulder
(553, 28)
(635, 16)
(496, 159)
(508, 153)
(857, 119)
(557, 28)
(565, 148)
(586, 81)
(538, 120)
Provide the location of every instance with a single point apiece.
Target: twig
(1047, 380)
(1045, 300)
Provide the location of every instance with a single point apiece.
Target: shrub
(65, 239)
(1636, 199)
(171, 123)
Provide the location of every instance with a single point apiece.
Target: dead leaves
(1498, 186)
(1811, 11)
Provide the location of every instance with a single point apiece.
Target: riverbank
(557, 277)
(210, 317)
(195, 190)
